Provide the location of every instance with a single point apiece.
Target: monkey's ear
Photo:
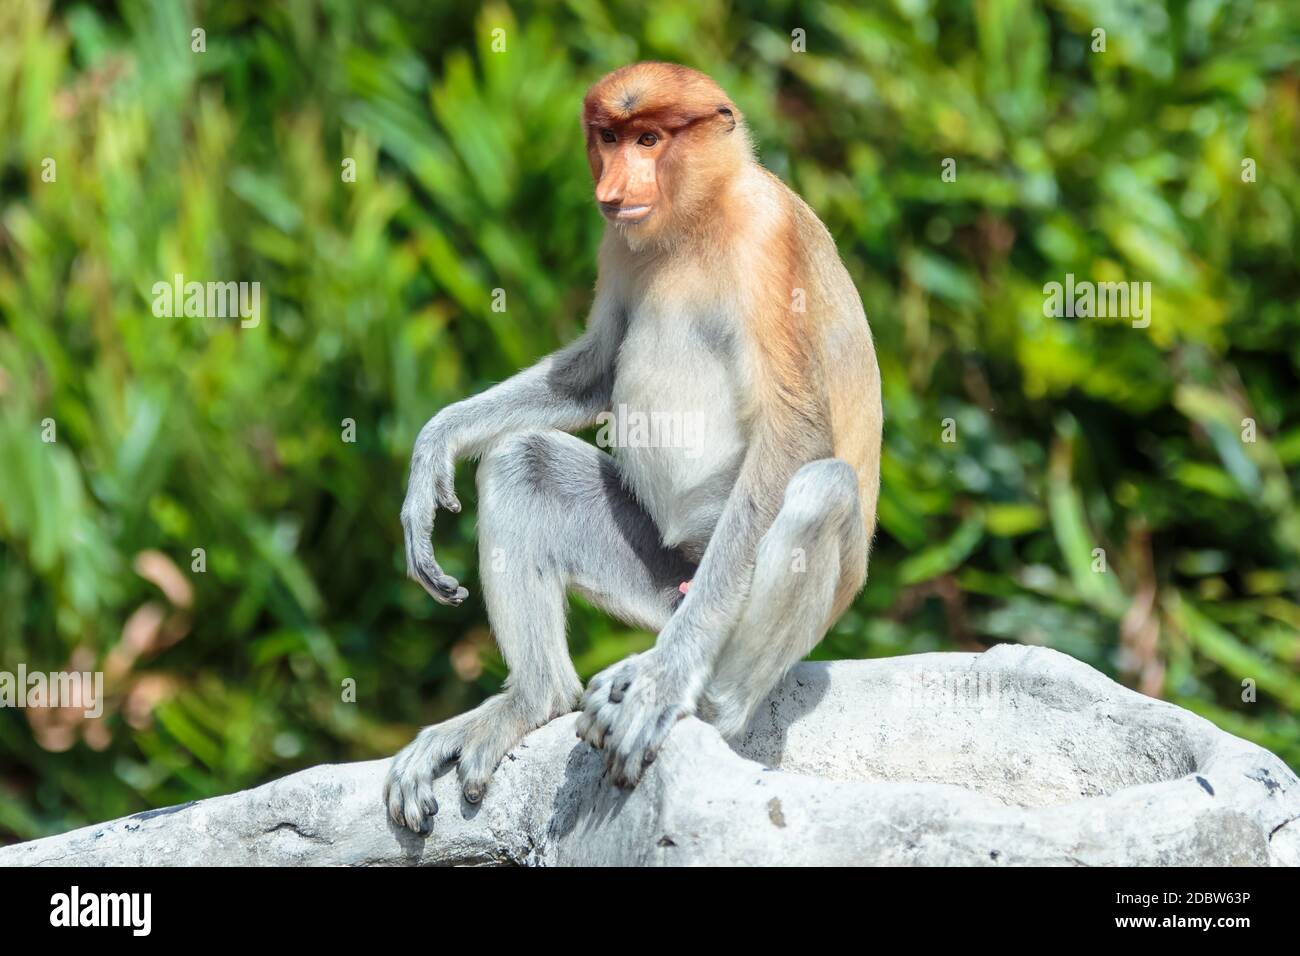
(726, 111)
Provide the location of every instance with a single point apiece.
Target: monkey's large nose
(609, 191)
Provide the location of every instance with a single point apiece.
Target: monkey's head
(662, 141)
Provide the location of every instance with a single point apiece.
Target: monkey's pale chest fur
(676, 402)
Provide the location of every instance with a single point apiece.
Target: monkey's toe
(410, 799)
(409, 786)
(636, 742)
(597, 719)
(620, 674)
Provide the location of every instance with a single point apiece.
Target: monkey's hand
(432, 485)
(629, 709)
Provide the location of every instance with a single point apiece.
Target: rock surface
(1017, 756)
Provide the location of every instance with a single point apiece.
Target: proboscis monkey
(721, 301)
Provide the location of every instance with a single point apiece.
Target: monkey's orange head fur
(662, 140)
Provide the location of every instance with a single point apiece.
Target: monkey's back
(846, 353)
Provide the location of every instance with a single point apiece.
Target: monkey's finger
(602, 719)
(451, 599)
(593, 699)
(602, 680)
(411, 536)
(393, 797)
(444, 488)
(625, 769)
(663, 725)
(420, 564)
(623, 727)
(595, 735)
(425, 800)
(632, 763)
(410, 805)
(586, 721)
(428, 574)
(644, 744)
(442, 587)
(627, 750)
(624, 669)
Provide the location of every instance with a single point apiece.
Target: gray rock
(1018, 756)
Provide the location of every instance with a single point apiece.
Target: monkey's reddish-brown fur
(662, 95)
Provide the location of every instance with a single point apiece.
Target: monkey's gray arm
(566, 390)
(688, 645)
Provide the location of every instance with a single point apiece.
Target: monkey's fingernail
(649, 758)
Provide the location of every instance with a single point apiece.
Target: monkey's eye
(607, 135)
(648, 139)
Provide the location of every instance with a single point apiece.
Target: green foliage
(1072, 434)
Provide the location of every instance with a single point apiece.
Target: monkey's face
(662, 141)
(625, 163)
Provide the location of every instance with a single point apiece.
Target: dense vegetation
(174, 434)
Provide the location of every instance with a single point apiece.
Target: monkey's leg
(809, 564)
(553, 516)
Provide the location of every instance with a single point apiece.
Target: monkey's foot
(476, 741)
(627, 712)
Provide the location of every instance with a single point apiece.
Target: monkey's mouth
(625, 214)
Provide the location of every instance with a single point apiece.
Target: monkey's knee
(825, 486)
(825, 504)
(819, 499)
(516, 467)
(516, 477)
